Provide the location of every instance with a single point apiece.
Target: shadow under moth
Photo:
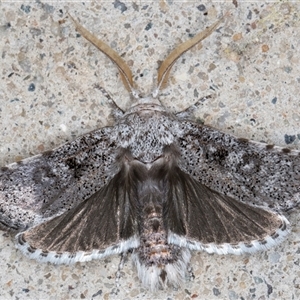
(155, 184)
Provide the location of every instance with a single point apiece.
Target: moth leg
(188, 113)
(117, 112)
(190, 272)
(124, 256)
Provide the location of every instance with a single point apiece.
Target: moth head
(163, 71)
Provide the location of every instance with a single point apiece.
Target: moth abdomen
(159, 264)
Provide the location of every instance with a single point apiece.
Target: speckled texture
(47, 97)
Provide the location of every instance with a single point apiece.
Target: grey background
(250, 67)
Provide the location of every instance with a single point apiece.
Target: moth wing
(202, 219)
(46, 185)
(102, 225)
(256, 173)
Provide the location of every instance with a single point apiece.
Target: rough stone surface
(47, 97)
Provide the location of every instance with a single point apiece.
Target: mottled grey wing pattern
(103, 224)
(48, 184)
(252, 172)
(202, 219)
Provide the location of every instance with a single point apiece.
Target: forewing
(256, 173)
(202, 219)
(46, 185)
(103, 224)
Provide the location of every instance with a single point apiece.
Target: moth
(155, 184)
